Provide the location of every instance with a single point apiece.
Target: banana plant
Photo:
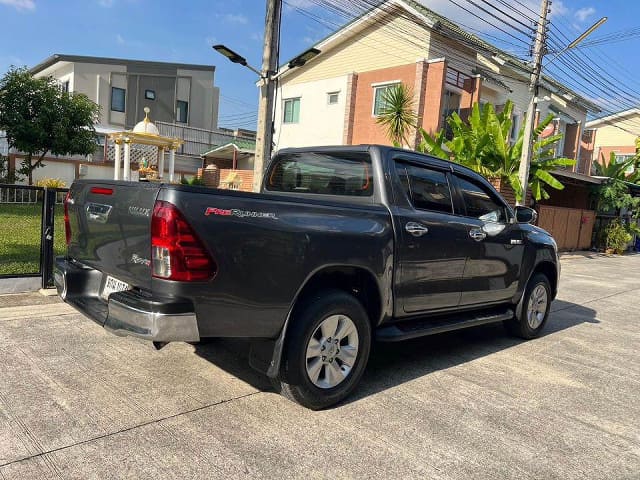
(483, 144)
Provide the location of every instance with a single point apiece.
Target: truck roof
(383, 149)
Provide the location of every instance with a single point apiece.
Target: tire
(326, 350)
(531, 316)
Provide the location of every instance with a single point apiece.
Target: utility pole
(264, 135)
(539, 48)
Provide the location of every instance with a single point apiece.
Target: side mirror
(526, 215)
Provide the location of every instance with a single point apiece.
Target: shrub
(50, 183)
(617, 236)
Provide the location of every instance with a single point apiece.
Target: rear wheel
(327, 348)
(532, 315)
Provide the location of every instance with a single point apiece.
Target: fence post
(46, 242)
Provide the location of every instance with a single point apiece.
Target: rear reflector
(176, 251)
(101, 191)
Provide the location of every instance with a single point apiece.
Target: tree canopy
(40, 117)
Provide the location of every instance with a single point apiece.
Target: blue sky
(182, 31)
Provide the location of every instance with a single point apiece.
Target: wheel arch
(354, 280)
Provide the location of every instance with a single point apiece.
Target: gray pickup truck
(344, 246)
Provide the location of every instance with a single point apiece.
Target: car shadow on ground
(392, 364)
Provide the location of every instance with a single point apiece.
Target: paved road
(76, 402)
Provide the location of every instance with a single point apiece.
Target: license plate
(113, 285)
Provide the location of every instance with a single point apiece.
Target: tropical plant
(39, 117)
(613, 194)
(483, 144)
(398, 114)
(617, 236)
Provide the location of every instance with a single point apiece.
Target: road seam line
(128, 429)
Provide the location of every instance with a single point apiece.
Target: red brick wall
(623, 150)
(507, 192)
(432, 109)
(365, 128)
(245, 175)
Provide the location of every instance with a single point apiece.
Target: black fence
(31, 231)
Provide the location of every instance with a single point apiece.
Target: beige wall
(320, 123)
(203, 97)
(397, 42)
(622, 133)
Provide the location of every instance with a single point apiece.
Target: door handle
(416, 229)
(477, 234)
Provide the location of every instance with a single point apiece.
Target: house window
(182, 111)
(333, 97)
(118, 96)
(379, 92)
(150, 94)
(515, 127)
(292, 110)
(65, 86)
(450, 105)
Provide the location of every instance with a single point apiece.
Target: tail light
(67, 224)
(176, 251)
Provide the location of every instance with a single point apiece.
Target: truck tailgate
(110, 225)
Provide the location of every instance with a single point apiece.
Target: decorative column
(161, 162)
(116, 161)
(172, 162)
(127, 160)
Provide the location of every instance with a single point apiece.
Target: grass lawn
(20, 237)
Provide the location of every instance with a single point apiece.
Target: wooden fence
(571, 227)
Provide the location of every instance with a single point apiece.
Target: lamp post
(534, 87)
(267, 77)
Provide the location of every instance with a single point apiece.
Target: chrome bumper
(124, 320)
(125, 313)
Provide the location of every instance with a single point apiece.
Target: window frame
(331, 94)
(398, 160)
(461, 206)
(379, 86)
(124, 101)
(186, 110)
(284, 110)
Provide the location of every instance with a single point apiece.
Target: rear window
(322, 173)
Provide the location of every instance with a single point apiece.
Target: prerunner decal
(234, 212)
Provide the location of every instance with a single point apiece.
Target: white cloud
(19, 4)
(585, 13)
(210, 41)
(120, 39)
(237, 18)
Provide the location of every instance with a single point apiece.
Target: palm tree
(398, 115)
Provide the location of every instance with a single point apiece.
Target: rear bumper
(127, 313)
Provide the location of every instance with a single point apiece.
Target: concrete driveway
(77, 402)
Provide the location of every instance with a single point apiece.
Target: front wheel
(532, 315)
(326, 350)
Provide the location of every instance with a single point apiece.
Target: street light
(268, 79)
(525, 158)
(235, 57)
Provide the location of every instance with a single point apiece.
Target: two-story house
(182, 98)
(175, 93)
(616, 133)
(336, 96)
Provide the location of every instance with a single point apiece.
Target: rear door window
(426, 189)
(346, 173)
